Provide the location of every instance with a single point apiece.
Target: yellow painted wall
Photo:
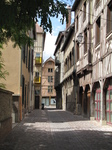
(12, 57)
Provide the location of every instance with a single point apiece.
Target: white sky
(49, 46)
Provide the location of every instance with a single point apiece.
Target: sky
(51, 38)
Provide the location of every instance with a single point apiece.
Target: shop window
(97, 104)
(109, 105)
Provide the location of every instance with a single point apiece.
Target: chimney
(69, 17)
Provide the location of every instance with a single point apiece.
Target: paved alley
(52, 129)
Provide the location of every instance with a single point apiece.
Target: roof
(49, 59)
(70, 33)
(58, 37)
(76, 3)
(58, 40)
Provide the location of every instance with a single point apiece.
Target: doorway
(37, 99)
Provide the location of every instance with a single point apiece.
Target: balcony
(38, 60)
(37, 80)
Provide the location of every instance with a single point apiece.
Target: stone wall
(5, 113)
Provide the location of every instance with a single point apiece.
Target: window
(98, 31)
(50, 62)
(50, 89)
(70, 59)
(37, 54)
(29, 61)
(109, 17)
(109, 103)
(85, 42)
(72, 55)
(37, 92)
(67, 63)
(84, 12)
(26, 55)
(50, 69)
(77, 47)
(50, 79)
(23, 51)
(23, 88)
(37, 74)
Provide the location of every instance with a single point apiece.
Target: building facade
(93, 62)
(18, 63)
(48, 91)
(68, 83)
(59, 69)
(91, 76)
(37, 66)
(83, 49)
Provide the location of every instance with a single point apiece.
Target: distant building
(37, 65)
(48, 91)
(59, 69)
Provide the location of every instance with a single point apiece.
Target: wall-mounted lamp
(57, 69)
(79, 37)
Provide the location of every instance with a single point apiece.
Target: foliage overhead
(19, 16)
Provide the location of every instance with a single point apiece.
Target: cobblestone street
(52, 129)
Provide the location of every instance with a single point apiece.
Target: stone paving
(52, 129)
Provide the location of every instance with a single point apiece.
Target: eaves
(75, 5)
(71, 31)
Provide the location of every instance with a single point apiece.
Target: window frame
(50, 78)
(98, 30)
(50, 89)
(98, 101)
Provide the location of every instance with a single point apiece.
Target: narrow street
(52, 129)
